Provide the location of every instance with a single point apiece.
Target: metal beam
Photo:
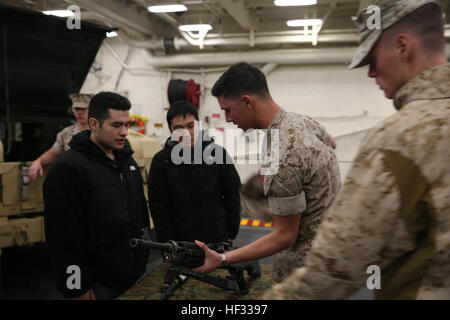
(131, 18)
(239, 13)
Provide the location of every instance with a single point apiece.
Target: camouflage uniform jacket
(64, 136)
(394, 208)
(306, 182)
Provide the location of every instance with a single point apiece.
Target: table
(149, 288)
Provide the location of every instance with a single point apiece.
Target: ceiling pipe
(291, 56)
(180, 44)
(156, 44)
(265, 38)
(342, 55)
(283, 39)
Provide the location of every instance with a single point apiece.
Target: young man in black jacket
(94, 204)
(191, 197)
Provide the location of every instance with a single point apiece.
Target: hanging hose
(181, 90)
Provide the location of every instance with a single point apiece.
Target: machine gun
(187, 255)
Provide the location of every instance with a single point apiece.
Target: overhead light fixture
(167, 8)
(305, 23)
(287, 3)
(313, 33)
(195, 27)
(59, 13)
(111, 34)
(200, 35)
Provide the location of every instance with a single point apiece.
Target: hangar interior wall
(346, 102)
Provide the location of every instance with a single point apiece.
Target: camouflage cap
(80, 100)
(390, 12)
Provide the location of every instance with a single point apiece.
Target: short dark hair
(427, 24)
(241, 78)
(181, 108)
(101, 102)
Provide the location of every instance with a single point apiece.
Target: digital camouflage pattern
(79, 100)
(307, 182)
(394, 209)
(390, 13)
(64, 136)
(253, 201)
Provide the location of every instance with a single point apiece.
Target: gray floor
(27, 275)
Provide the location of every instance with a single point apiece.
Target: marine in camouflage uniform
(393, 211)
(307, 181)
(80, 102)
(301, 176)
(64, 136)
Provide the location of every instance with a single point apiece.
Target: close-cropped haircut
(181, 108)
(101, 102)
(425, 23)
(241, 78)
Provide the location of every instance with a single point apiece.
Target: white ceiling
(237, 24)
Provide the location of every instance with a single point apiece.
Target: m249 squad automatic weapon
(187, 255)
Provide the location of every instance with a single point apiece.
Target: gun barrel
(150, 244)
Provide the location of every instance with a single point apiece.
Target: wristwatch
(224, 259)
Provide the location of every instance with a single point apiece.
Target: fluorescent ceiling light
(285, 3)
(59, 13)
(167, 8)
(111, 34)
(195, 27)
(304, 22)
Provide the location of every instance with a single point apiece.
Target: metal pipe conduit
(341, 55)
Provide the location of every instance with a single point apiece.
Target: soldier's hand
(213, 260)
(36, 167)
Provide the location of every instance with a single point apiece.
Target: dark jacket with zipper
(93, 206)
(190, 201)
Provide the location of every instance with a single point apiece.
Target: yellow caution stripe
(255, 223)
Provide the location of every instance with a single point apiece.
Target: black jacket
(93, 206)
(194, 201)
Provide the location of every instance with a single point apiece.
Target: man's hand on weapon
(213, 260)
